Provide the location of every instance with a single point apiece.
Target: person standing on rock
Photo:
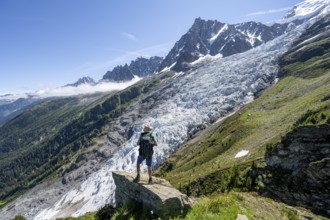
(146, 143)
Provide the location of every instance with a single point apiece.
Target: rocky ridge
(140, 67)
(81, 81)
(217, 38)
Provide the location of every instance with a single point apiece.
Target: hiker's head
(147, 128)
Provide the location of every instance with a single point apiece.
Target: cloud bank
(102, 86)
(66, 91)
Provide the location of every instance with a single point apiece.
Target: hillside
(26, 146)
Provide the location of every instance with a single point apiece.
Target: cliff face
(300, 168)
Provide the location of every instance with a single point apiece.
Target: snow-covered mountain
(188, 102)
(213, 38)
(307, 9)
(216, 38)
(140, 67)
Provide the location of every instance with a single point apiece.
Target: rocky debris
(300, 168)
(161, 197)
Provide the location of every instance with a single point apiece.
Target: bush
(105, 213)
(19, 217)
(133, 210)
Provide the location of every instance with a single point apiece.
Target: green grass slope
(302, 96)
(25, 140)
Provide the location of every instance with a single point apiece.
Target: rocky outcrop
(160, 197)
(300, 168)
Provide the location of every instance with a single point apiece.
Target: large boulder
(161, 197)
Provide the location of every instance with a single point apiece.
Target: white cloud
(130, 36)
(271, 11)
(85, 89)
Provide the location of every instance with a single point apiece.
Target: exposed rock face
(300, 167)
(141, 67)
(161, 197)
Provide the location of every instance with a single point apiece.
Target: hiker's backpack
(146, 145)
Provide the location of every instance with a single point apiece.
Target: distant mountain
(9, 98)
(10, 110)
(83, 80)
(140, 67)
(216, 38)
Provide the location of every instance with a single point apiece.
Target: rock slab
(161, 197)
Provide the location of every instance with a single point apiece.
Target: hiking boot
(150, 182)
(137, 178)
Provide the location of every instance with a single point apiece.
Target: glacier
(201, 97)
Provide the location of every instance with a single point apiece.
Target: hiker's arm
(138, 142)
(154, 140)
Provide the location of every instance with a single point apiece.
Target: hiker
(146, 142)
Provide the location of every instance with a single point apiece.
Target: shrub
(19, 217)
(105, 213)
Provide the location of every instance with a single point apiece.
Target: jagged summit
(81, 81)
(140, 67)
(211, 37)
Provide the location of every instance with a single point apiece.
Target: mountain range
(216, 38)
(140, 67)
(203, 38)
(260, 86)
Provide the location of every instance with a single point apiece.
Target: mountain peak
(214, 38)
(140, 67)
(81, 81)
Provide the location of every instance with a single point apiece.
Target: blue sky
(46, 43)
